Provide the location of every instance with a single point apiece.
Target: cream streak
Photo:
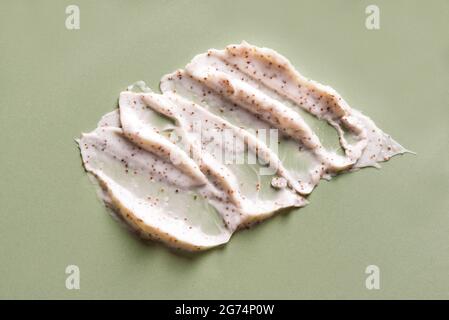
(193, 164)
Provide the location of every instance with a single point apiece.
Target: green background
(56, 83)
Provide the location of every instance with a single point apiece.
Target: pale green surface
(56, 83)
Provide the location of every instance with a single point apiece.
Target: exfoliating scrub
(234, 137)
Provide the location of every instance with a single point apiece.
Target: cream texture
(192, 165)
